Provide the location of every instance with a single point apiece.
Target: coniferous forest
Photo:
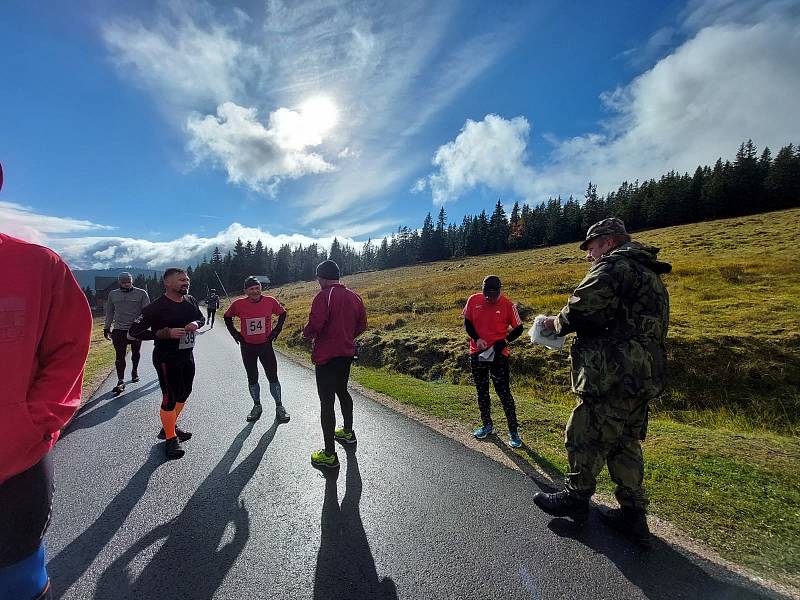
(753, 183)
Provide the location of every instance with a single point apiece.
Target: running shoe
(344, 436)
(281, 414)
(320, 458)
(255, 414)
(119, 388)
(173, 449)
(134, 377)
(481, 432)
(182, 435)
(514, 440)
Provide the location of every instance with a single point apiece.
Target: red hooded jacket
(337, 318)
(45, 327)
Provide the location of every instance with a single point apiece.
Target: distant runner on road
(172, 321)
(337, 318)
(122, 307)
(212, 304)
(45, 327)
(255, 339)
(487, 319)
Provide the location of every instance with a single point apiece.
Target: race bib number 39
(187, 341)
(256, 326)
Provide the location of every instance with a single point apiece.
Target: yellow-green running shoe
(320, 458)
(344, 436)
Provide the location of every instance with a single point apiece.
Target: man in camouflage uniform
(620, 313)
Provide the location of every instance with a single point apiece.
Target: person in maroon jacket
(337, 318)
(45, 327)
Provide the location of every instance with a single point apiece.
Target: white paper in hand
(544, 337)
(487, 355)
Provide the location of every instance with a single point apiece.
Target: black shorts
(252, 354)
(25, 503)
(175, 376)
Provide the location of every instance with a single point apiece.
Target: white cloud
(388, 80)
(725, 85)
(181, 61)
(23, 222)
(728, 82)
(490, 152)
(254, 154)
(106, 252)
(348, 152)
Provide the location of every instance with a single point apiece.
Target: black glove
(499, 346)
(238, 338)
(107, 334)
(274, 335)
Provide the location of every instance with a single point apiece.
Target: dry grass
(734, 339)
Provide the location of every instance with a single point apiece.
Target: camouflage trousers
(608, 431)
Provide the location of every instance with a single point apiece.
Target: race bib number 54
(255, 326)
(187, 341)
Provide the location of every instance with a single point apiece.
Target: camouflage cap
(609, 226)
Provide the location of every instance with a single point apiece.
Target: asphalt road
(411, 514)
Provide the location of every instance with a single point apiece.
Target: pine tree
(782, 185)
(441, 249)
(282, 260)
(498, 230)
(336, 254)
(426, 242)
(592, 207)
(382, 259)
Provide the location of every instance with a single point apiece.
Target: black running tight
(499, 372)
(332, 380)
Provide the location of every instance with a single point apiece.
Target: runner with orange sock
(172, 321)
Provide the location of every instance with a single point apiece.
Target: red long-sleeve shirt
(45, 327)
(337, 318)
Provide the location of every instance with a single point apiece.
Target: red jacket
(45, 327)
(337, 318)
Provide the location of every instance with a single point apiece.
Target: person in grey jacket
(123, 306)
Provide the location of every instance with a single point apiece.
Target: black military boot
(563, 504)
(631, 522)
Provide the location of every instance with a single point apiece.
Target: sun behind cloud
(320, 114)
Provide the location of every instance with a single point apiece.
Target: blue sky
(143, 134)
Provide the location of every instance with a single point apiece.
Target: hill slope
(734, 340)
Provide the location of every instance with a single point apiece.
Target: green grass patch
(100, 361)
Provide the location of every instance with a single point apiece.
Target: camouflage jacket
(620, 313)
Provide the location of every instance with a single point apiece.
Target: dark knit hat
(491, 282)
(610, 226)
(251, 281)
(328, 269)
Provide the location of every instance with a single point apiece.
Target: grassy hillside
(100, 361)
(734, 341)
(722, 455)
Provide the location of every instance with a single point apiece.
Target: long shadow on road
(661, 573)
(68, 565)
(191, 561)
(106, 407)
(345, 565)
